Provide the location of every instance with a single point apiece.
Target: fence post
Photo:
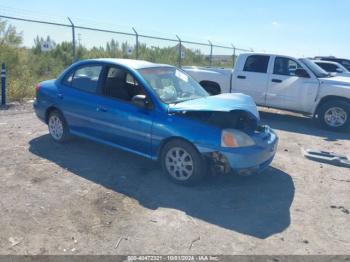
(3, 85)
(234, 55)
(137, 43)
(180, 51)
(73, 40)
(211, 53)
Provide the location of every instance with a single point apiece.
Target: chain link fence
(175, 51)
(47, 46)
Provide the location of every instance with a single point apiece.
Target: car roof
(131, 63)
(268, 54)
(331, 58)
(325, 62)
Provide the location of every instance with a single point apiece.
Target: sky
(298, 28)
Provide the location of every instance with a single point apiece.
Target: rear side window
(257, 64)
(85, 78)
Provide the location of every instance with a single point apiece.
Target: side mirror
(302, 73)
(140, 101)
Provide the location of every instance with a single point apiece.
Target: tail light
(37, 88)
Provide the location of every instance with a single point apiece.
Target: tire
(212, 88)
(182, 162)
(58, 128)
(334, 115)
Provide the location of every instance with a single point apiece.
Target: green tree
(9, 36)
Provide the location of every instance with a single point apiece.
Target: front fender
(328, 92)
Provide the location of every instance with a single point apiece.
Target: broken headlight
(235, 138)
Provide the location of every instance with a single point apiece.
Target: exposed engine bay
(237, 119)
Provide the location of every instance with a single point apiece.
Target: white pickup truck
(283, 82)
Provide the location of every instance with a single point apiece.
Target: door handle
(101, 109)
(276, 80)
(241, 77)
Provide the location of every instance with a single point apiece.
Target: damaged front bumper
(247, 160)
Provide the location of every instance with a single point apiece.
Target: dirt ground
(86, 198)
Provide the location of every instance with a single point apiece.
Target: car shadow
(299, 124)
(258, 206)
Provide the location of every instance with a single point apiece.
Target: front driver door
(288, 91)
(125, 124)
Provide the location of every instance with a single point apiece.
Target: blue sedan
(159, 112)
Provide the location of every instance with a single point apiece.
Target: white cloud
(274, 23)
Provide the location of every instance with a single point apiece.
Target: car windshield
(345, 63)
(172, 85)
(345, 70)
(318, 71)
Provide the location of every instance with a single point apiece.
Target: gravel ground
(86, 198)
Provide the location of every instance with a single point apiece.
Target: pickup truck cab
(283, 82)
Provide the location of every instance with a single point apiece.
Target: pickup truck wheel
(334, 115)
(57, 127)
(212, 88)
(182, 162)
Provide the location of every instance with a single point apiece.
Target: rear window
(257, 64)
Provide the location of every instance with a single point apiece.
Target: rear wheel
(212, 88)
(334, 115)
(182, 162)
(57, 127)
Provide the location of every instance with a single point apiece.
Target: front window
(285, 66)
(172, 85)
(120, 84)
(318, 71)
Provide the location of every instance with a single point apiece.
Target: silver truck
(283, 82)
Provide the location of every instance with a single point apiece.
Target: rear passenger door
(253, 77)
(77, 98)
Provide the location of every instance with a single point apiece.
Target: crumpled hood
(218, 103)
(336, 80)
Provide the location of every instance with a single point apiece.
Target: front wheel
(334, 115)
(182, 162)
